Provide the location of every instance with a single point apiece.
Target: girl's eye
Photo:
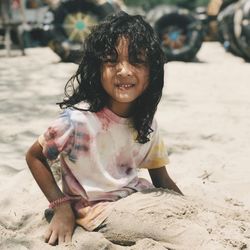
(139, 62)
(110, 61)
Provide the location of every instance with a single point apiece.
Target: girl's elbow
(34, 153)
(29, 157)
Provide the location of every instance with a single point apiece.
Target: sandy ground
(205, 121)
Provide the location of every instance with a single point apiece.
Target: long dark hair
(102, 42)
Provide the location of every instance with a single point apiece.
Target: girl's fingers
(61, 239)
(68, 237)
(53, 238)
(47, 235)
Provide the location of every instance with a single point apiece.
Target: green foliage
(148, 4)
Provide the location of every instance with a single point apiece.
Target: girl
(107, 129)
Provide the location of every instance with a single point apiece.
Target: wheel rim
(77, 26)
(173, 38)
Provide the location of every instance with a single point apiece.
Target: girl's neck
(121, 109)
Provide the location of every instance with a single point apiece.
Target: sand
(205, 120)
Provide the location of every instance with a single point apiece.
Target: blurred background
(182, 25)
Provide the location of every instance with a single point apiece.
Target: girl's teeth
(125, 85)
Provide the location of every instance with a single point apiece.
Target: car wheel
(180, 33)
(72, 22)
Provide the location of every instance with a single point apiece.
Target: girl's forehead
(122, 44)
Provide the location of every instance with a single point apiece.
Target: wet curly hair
(99, 44)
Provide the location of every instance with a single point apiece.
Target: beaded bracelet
(58, 202)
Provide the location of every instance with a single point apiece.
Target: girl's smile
(124, 86)
(123, 80)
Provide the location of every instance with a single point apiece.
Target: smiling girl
(107, 129)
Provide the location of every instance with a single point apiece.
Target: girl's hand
(61, 226)
(161, 179)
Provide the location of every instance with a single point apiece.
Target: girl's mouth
(124, 86)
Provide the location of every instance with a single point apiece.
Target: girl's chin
(125, 95)
(125, 100)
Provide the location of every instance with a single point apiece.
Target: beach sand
(204, 118)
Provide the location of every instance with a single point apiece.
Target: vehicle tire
(242, 28)
(71, 23)
(234, 28)
(180, 33)
(226, 30)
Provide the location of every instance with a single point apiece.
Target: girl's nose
(124, 69)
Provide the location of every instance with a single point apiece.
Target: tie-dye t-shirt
(99, 160)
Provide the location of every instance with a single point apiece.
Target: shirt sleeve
(156, 154)
(58, 137)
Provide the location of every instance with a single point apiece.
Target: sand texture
(204, 117)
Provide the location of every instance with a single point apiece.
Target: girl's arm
(62, 224)
(160, 178)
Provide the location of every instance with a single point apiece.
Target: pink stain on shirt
(105, 121)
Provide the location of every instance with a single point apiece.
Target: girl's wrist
(58, 202)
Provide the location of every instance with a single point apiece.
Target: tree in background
(181, 3)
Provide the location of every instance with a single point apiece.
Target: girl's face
(124, 81)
